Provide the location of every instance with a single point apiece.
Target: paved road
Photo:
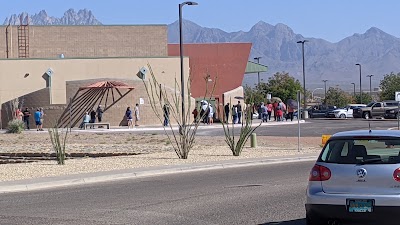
(268, 194)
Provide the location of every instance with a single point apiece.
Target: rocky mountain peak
(70, 17)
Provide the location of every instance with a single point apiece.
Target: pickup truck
(374, 109)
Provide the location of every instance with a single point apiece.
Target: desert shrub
(15, 126)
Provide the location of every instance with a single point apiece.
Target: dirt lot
(151, 150)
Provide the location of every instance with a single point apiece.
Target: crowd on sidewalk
(277, 110)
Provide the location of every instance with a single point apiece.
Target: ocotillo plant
(183, 139)
(58, 141)
(246, 130)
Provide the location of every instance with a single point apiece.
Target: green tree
(254, 95)
(281, 85)
(366, 98)
(389, 85)
(337, 97)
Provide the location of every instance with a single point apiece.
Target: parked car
(391, 113)
(319, 111)
(374, 109)
(356, 179)
(346, 112)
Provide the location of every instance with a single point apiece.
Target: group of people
(129, 116)
(25, 117)
(281, 111)
(90, 117)
(207, 113)
(236, 113)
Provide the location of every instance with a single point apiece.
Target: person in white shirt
(211, 115)
(137, 117)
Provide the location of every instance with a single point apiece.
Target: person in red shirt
(290, 112)
(275, 107)
(269, 110)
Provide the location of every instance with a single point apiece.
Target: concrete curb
(90, 178)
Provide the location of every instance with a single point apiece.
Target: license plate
(360, 205)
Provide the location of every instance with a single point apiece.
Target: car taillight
(396, 175)
(321, 173)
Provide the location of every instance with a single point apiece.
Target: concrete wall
(88, 41)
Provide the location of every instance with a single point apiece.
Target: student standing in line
(92, 118)
(37, 119)
(27, 114)
(227, 109)
(128, 115)
(137, 115)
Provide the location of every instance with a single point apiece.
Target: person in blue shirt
(86, 119)
(129, 118)
(38, 116)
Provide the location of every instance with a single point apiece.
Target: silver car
(356, 179)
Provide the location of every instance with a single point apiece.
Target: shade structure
(104, 93)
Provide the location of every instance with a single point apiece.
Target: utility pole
(358, 64)
(325, 90)
(370, 86)
(305, 112)
(258, 73)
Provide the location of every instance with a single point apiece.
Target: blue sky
(331, 20)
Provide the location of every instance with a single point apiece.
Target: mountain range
(70, 17)
(377, 51)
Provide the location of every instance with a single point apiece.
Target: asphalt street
(312, 127)
(267, 194)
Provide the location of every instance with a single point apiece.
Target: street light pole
(312, 93)
(354, 89)
(181, 60)
(305, 115)
(325, 89)
(370, 86)
(258, 73)
(358, 64)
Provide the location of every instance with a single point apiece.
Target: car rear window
(362, 151)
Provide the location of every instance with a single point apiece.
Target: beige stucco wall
(70, 74)
(229, 96)
(14, 83)
(89, 41)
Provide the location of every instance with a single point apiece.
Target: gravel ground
(155, 150)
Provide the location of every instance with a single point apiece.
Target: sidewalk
(90, 178)
(201, 126)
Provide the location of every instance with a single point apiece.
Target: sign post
(397, 97)
(298, 119)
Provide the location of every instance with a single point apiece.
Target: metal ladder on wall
(23, 39)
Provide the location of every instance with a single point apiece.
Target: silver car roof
(370, 133)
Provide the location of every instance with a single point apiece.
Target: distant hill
(377, 52)
(70, 17)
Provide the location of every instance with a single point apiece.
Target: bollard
(253, 140)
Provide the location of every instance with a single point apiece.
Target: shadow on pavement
(291, 222)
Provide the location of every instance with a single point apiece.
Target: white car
(346, 112)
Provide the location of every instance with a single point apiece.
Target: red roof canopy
(108, 84)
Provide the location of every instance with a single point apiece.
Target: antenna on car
(369, 126)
